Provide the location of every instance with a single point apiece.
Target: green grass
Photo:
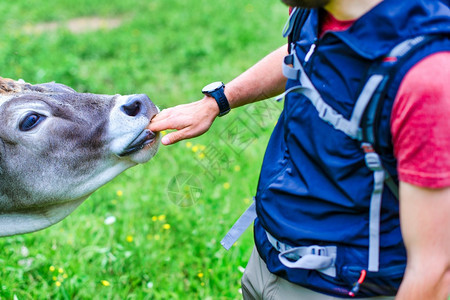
(160, 246)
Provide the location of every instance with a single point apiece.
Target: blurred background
(153, 232)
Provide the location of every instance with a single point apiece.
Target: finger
(159, 126)
(164, 122)
(168, 124)
(161, 115)
(173, 137)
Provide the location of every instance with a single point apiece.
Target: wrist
(210, 105)
(216, 91)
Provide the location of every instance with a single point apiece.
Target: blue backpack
(364, 126)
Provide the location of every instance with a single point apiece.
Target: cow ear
(9, 86)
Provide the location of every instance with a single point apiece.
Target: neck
(350, 9)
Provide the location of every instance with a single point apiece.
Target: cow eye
(30, 121)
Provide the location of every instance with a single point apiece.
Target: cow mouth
(145, 138)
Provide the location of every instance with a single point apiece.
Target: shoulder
(429, 77)
(420, 122)
(424, 91)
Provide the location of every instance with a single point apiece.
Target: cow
(58, 146)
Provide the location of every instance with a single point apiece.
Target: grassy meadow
(153, 232)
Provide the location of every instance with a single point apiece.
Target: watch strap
(222, 101)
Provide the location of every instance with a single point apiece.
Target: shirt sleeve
(420, 123)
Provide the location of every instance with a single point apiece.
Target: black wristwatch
(216, 90)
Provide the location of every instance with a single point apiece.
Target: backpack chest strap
(293, 69)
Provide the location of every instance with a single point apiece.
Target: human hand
(190, 120)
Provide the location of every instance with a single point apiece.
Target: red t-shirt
(420, 121)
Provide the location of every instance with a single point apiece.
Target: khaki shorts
(259, 283)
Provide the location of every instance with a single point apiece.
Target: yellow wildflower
(161, 217)
(166, 226)
(200, 275)
(54, 278)
(189, 145)
(52, 269)
(129, 238)
(119, 193)
(58, 284)
(195, 148)
(201, 155)
(154, 218)
(226, 185)
(105, 283)
(237, 168)
(60, 270)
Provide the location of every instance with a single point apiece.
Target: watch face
(212, 87)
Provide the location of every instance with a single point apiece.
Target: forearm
(425, 228)
(427, 281)
(264, 80)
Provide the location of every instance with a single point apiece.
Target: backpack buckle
(372, 159)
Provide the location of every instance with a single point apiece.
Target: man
(315, 193)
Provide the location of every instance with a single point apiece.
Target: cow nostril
(132, 109)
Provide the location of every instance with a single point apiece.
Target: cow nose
(135, 105)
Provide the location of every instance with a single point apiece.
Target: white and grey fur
(81, 142)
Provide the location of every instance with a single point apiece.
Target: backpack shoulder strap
(379, 77)
(366, 112)
(384, 71)
(294, 24)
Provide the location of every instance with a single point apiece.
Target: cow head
(58, 146)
